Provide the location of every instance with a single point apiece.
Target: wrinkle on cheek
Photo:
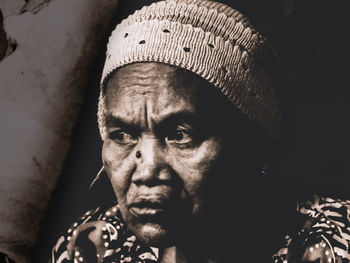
(119, 166)
(197, 166)
(199, 171)
(204, 156)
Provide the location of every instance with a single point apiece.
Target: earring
(265, 170)
(97, 177)
(138, 154)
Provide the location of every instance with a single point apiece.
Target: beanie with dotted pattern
(208, 38)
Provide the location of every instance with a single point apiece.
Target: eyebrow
(114, 121)
(169, 119)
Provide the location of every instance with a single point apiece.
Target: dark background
(312, 40)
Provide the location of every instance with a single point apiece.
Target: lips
(152, 204)
(150, 208)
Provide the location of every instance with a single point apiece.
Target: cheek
(119, 167)
(197, 167)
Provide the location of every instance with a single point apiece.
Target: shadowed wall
(43, 82)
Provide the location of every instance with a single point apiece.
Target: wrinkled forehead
(161, 80)
(166, 88)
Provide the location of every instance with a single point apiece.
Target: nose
(152, 168)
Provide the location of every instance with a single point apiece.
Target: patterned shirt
(102, 236)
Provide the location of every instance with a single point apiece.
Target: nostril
(151, 174)
(158, 177)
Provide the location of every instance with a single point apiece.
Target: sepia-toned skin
(162, 150)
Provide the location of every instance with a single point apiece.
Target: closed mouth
(148, 208)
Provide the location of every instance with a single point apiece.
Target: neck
(179, 255)
(172, 255)
(236, 233)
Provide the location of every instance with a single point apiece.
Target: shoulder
(324, 236)
(100, 235)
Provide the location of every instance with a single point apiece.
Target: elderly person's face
(162, 148)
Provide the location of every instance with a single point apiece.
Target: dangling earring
(97, 177)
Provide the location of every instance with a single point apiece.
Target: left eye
(180, 137)
(122, 137)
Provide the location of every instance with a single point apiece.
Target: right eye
(122, 137)
(180, 137)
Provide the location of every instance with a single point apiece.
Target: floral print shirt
(102, 236)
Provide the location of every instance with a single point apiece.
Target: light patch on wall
(42, 87)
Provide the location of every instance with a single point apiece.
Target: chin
(153, 234)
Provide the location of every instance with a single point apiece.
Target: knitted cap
(208, 38)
